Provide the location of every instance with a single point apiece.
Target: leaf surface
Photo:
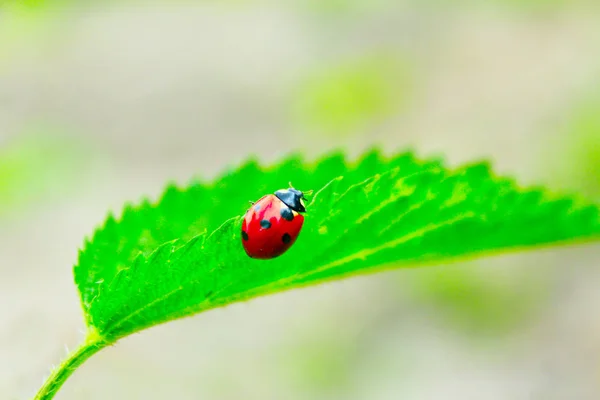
(182, 255)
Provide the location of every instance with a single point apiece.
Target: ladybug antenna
(307, 192)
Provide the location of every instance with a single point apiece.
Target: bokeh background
(105, 102)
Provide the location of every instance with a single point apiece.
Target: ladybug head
(292, 198)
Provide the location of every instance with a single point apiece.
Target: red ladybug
(273, 223)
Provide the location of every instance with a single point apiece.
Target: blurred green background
(104, 102)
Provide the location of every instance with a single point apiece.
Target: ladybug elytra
(273, 223)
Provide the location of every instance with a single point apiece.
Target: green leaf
(182, 254)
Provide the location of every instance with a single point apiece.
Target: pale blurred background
(105, 103)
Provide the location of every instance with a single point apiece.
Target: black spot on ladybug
(265, 224)
(286, 238)
(244, 235)
(287, 214)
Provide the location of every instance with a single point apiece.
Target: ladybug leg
(252, 202)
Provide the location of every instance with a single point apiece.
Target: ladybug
(273, 223)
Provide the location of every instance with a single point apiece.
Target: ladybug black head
(292, 198)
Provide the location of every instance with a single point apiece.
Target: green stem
(93, 344)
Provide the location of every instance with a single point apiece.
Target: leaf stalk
(93, 344)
